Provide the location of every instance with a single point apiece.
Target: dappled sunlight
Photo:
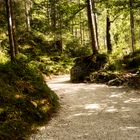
(107, 100)
(116, 87)
(129, 128)
(117, 95)
(93, 106)
(82, 114)
(1, 109)
(95, 109)
(64, 83)
(94, 86)
(18, 96)
(65, 79)
(111, 109)
(70, 88)
(132, 100)
(114, 96)
(125, 109)
(79, 115)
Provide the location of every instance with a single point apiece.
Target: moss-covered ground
(25, 101)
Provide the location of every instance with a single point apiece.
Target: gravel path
(92, 112)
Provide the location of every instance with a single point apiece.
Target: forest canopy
(67, 23)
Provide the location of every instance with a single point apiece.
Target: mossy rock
(134, 82)
(131, 61)
(84, 66)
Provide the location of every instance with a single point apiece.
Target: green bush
(75, 49)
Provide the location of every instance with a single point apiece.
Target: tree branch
(114, 19)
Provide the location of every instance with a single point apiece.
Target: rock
(115, 82)
(86, 65)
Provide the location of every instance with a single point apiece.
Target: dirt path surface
(92, 112)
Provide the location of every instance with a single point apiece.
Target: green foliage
(54, 65)
(75, 49)
(21, 58)
(40, 54)
(3, 57)
(119, 62)
(124, 70)
(25, 100)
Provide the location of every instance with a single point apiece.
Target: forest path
(92, 112)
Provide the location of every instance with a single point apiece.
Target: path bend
(92, 112)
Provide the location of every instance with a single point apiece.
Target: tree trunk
(27, 13)
(53, 14)
(10, 28)
(132, 26)
(48, 12)
(91, 26)
(61, 31)
(14, 35)
(108, 38)
(14, 27)
(95, 24)
(80, 24)
(72, 27)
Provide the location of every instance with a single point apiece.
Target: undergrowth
(39, 53)
(120, 71)
(25, 101)
(109, 69)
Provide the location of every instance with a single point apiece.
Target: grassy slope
(25, 101)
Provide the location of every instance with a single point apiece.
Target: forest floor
(92, 112)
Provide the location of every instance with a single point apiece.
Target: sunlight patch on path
(93, 106)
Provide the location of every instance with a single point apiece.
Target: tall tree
(10, 28)
(27, 14)
(53, 14)
(91, 26)
(108, 38)
(132, 25)
(95, 24)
